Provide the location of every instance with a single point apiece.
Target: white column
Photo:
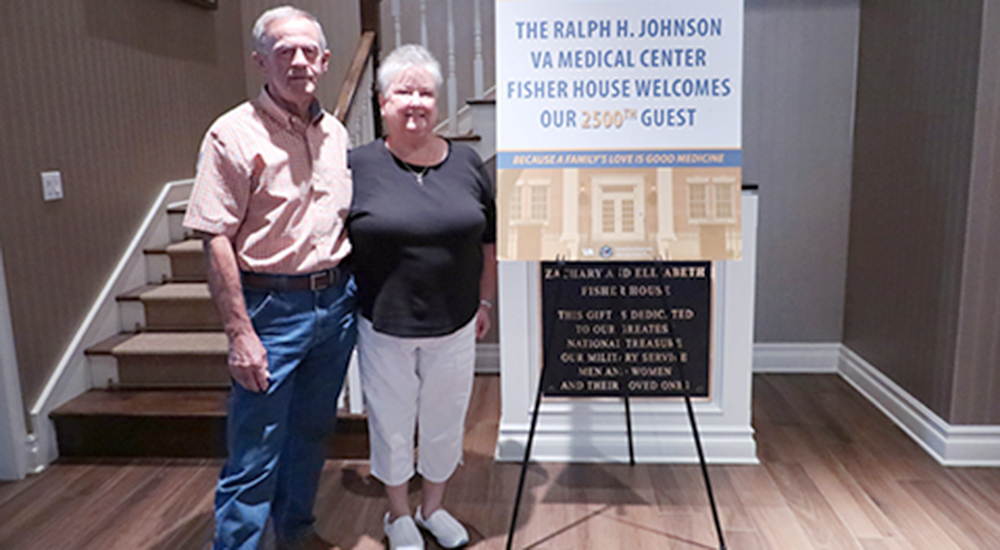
(452, 79)
(397, 23)
(519, 355)
(477, 63)
(423, 23)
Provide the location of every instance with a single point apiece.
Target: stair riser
(178, 371)
(176, 266)
(181, 315)
(175, 437)
(175, 223)
(133, 315)
(139, 436)
(187, 266)
(103, 371)
(157, 268)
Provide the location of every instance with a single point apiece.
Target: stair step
(168, 359)
(170, 307)
(174, 343)
(175, 221)
(167, 423)
(187, 260)
(181, 261)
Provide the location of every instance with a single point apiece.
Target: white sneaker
(402, 533)
(448, 531)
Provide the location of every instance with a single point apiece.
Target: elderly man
(270, 198)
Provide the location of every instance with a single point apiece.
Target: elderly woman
(423, 231)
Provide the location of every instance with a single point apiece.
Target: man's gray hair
(405, 57)
(262, 41)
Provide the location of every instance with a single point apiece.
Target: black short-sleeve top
(417, 242)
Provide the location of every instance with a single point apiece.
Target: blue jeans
(277, 439)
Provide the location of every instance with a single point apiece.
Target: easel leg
(628, 426)
(527, 458)
(701, 458)
(694, 423)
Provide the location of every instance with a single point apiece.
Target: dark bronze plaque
(612, 328)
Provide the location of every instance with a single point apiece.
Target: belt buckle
(320, 281)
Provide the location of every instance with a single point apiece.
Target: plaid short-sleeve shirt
(276, 185)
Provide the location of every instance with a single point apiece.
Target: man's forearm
(224, 284)
(247, 357)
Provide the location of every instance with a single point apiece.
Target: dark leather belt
(319, 280)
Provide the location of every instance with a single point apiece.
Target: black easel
(690, 411)
(628, 422)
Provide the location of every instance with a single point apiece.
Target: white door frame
(13, 430)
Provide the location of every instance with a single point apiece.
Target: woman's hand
(483, 319)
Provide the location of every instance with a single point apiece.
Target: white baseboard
(802, 358)
(654, 446)
(949, 444)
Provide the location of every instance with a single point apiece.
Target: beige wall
(921, 277)
(798, 103)
(116, 95)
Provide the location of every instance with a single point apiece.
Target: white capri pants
(421, 384)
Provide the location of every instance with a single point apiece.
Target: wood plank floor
(834, 474)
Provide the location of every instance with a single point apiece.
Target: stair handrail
(360, 83)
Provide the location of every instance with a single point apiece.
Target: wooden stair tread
(174, 343)
(177, 291)
(187, 246)
(135, 293)
(147, 403)
(169, 290)
(465, 137)
(179, 208)
(106, 346)
(163, 343)
(161, 249)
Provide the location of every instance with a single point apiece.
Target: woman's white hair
(406, 57)
(263, 41)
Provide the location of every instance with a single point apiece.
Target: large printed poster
(618, 129)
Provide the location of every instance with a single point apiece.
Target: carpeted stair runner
(168, 391)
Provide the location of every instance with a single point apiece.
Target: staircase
(160, 386)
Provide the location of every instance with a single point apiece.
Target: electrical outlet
(52, 189)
